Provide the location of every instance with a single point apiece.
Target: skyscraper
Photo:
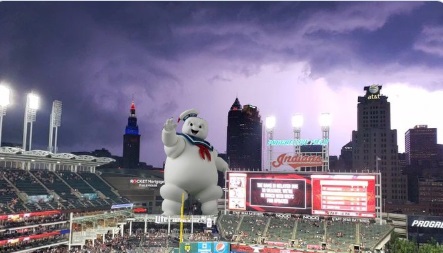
(131, 141)
(244, 137)
(345, 160)
(421, 145)
(374, 144)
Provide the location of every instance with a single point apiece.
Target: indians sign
(297, 161)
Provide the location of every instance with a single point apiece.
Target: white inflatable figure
(191, 165)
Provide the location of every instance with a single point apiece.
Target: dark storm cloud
(98, 56)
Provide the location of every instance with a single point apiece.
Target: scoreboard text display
(343, 195)
(269, 192)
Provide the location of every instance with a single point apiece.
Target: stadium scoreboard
(303, 193)
(344, 195)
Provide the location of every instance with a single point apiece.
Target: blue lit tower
(131, 141)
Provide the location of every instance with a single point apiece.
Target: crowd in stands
(34, 220)
(201, 237)
(154, 241)
(9, 200)
(48, 190)
(279, 228)
(22, 233)
(28, 244)
(335, 236)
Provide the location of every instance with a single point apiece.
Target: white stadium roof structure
(42, 159)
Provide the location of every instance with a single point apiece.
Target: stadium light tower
(325, 123)
(270, 124)
(297, 123)
(55, 121)
(32, 105)
(4, 102)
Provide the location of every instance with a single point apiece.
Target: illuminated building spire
(236, 105)
(132, 110)
(131, 141)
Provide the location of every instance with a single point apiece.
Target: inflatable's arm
(221, 165)
(174, 145)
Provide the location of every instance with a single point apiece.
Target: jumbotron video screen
(343, 195)
(270, 192)
(317, 194)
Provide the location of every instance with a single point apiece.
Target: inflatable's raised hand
(170, 125)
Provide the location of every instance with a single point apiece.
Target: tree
(400, 245)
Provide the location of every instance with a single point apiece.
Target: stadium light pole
(325, 123)
(270, 124)
(225, 190)
(54, 122)
(297, 123)
(32, 105)
(4, 102)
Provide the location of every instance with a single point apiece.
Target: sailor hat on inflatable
(187, 114)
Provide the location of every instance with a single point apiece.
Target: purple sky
(284, 57)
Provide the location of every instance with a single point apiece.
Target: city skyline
(167, 57)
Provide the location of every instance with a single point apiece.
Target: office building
(131, 141)
(375, 144)
(421, 145)
(345, 161)
(244, 137)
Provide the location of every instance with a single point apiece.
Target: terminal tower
(131, 141)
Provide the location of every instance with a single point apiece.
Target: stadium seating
(26, 182)
(52, 190)
(228, 225)
(53, 182)
(251, 227)
(341, 234)
(310, 232)
(10, 201)
(371, 234)
(76, 182)
(102, 186)
(280, 229)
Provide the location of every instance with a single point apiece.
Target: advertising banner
(14, 217)
(424, 228)
(205, 247)
(142, 183)
(262, 249)
(295, 161)
(39, 198)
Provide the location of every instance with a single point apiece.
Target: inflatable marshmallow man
(191, 165)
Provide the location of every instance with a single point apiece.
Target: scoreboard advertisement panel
(270, 192)
(343, 195)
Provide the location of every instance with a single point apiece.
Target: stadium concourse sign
(424, 228)
(298, 142)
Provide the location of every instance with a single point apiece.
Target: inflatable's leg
(210, 208)
(172, 199)
(208, 197)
